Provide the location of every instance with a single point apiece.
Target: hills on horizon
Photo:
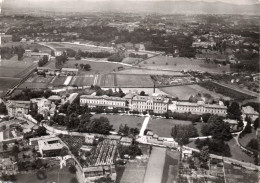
(161, 7)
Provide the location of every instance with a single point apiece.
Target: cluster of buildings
(5, 38)
(92, 162)
(46, 107)
(63, 71)
(156, 103)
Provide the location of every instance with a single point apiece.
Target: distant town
(129, 98)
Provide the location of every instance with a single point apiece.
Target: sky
(227, 1)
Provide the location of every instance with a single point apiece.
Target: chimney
(154, 88)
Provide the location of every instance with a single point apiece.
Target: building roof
(45, 144)
(54, 97)
(19, 104)
(69, 69)
(160, 99)
(249, 110)
(104, 97)
(126, 140)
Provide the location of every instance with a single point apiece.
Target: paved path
(145, 123)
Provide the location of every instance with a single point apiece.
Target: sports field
(180, 64)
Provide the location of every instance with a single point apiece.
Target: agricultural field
(107, 80)
(59, 81)
(116, 120)
(144, 71)
(184, 92)
(86, 80)
(36, 81)
(238, 174)
(149, 91)
(134, 171)
(126, 80)
(171, 167)
(180, 64)
(76, 47)
(162, 127)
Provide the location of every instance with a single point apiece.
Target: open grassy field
(116, 120)
(12, 71)
(180, 64)
(162, 127)
(245, 139)
(30, 46)
(237, 153)
(130, 60)
(76, 47)
(53, 175)
(13, 67)
(184, 92)
(7, 83)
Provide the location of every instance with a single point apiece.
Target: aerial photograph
(129, 91)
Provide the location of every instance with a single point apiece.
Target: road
(145, 123)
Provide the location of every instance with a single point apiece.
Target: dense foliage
(182, 133)
(217, 147)
(216, 127)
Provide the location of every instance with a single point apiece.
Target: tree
(204, 154)
(39, 117)
(5, 146)
(234, 111)
(182, 133)
(87, 67)
(64, 152)
(256, 123)
(142, 93)
(36, 50)
(15, 150)
(253, 144)
(3, 109)
(76, 64)
(74, 180)
(123, 130)
(72, 169)
(41, 131)
(205, 117)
